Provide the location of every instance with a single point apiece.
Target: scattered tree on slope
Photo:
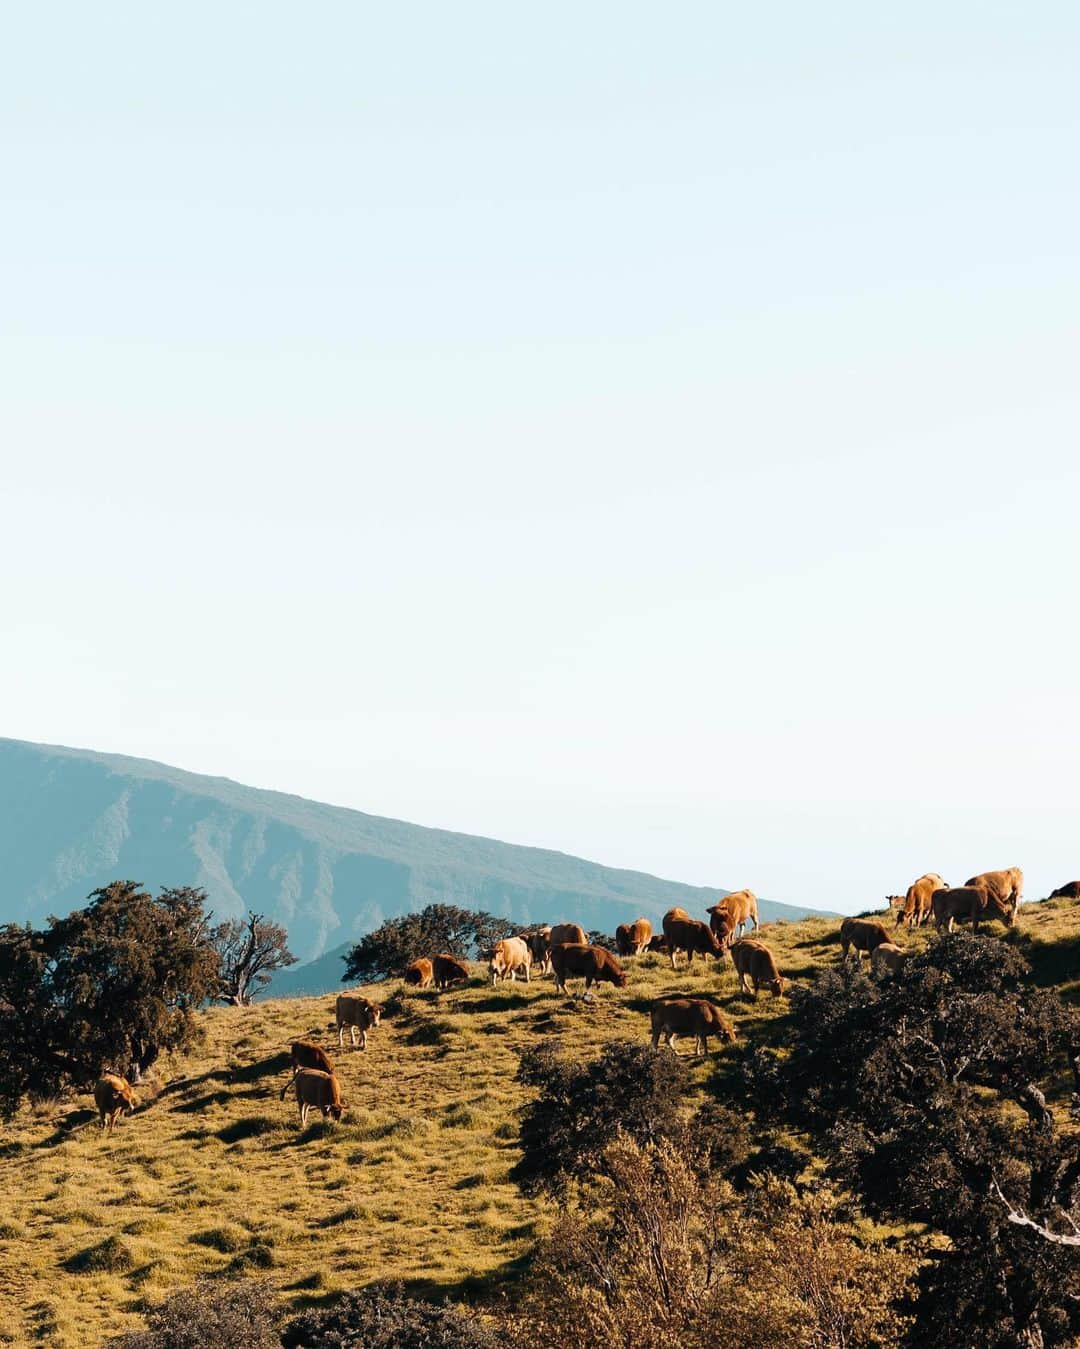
(249, 951)
(436, 929)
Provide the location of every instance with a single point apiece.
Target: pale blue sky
(649, 432)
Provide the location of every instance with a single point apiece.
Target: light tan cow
(633, 938)
(888, 956)
(420, 973)
(698, 1017)
(511, 956)
(316, 1090)
(730, 915)
(112, 1096)
(918, 901)
(568, 932)
(359, 1014)
(754, 961)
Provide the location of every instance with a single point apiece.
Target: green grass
(214, 1176)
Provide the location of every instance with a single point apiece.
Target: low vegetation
(680, 1194)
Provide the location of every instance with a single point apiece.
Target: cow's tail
(285, 1088)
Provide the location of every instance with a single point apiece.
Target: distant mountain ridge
(71, 820)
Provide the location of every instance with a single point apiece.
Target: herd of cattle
(565, 952)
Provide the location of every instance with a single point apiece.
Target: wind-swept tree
(438, 928)
(250, 950)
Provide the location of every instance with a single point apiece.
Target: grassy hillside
(72, 820)
(213, 1173)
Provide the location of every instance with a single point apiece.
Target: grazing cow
(754, 960)
(318, 1090)
(449, 970)
(112, 1096)
(689, 935)
(1070, 890)
(917, 901)
(510, 956)
(658, 944)
(969, 903)
(539, 943)
(1005, 887)
(888, 956)
(862, 933)
(895, 905)
(730, 915)
(577, 959)
(358, 1014)
(633, 938)
(420, 973)
(306, 1054)
(572, 932)
(688, 1016)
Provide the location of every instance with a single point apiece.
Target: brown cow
(862, 933)
(690, 935)
(969, 903)
(510, 955)
(658, 944)
(888, 956)
(1070, 890)
(318, 1090)
(895, 904)
(539, 943)
(307, 1054)
(572, 932)
(1004, 886)
(420, 973)
(917, 901)
(578, 959)
(754, 960)
(358, 1014)
(449, 970)
(633, 938)
(730, 915)
(112, 1096)
(688, 1016)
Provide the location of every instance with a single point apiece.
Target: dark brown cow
(1006, 887)
(690, 935)
(579, 960)
(633, 938)
(359, 1014)
(688, 1016)
(969, 904)
(917, 901)
(1070, 890)
(318, 1090)
(539, 943)
(449, 970)
(862, 933)
(572, 932)
(420, 973)
(753, 960)
(112, 1096)
(307, 1054)
(658, 944)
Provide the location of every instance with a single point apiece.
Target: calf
(579, 960)
(753, 960)
(318, 1090)
(688, 1016)
(863, 934)
(112, 1096)
(306, 1054)
(420, 973)
(510, 956)
(449, 970)
(358, 1014)
(888, 956)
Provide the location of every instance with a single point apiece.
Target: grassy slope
(213, 1172)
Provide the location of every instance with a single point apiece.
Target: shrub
(210, 1315)
(376, 1319)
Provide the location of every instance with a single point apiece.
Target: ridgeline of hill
(72, 820)
(213, 1174)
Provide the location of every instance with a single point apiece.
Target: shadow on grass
(255, 1126)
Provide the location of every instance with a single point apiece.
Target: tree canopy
(108, 988)
(438, 928)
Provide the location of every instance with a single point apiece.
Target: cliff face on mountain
(71, 820)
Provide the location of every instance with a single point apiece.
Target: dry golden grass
(213, 1173)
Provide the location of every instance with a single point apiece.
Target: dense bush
(438, 928)
(110, 987)
(374, 1319)
(211, 1315)
(928, 1095)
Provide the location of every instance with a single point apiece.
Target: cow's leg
(303, 1113)
(656, 1045)
(527, 972)
(341, 1035)
(671, 953)
(671, 1038)
(701, 1047)
(363, 1038)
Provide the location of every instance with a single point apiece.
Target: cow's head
(778, 985)
(336, 1110)
(618, 977)
(376, 1012)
